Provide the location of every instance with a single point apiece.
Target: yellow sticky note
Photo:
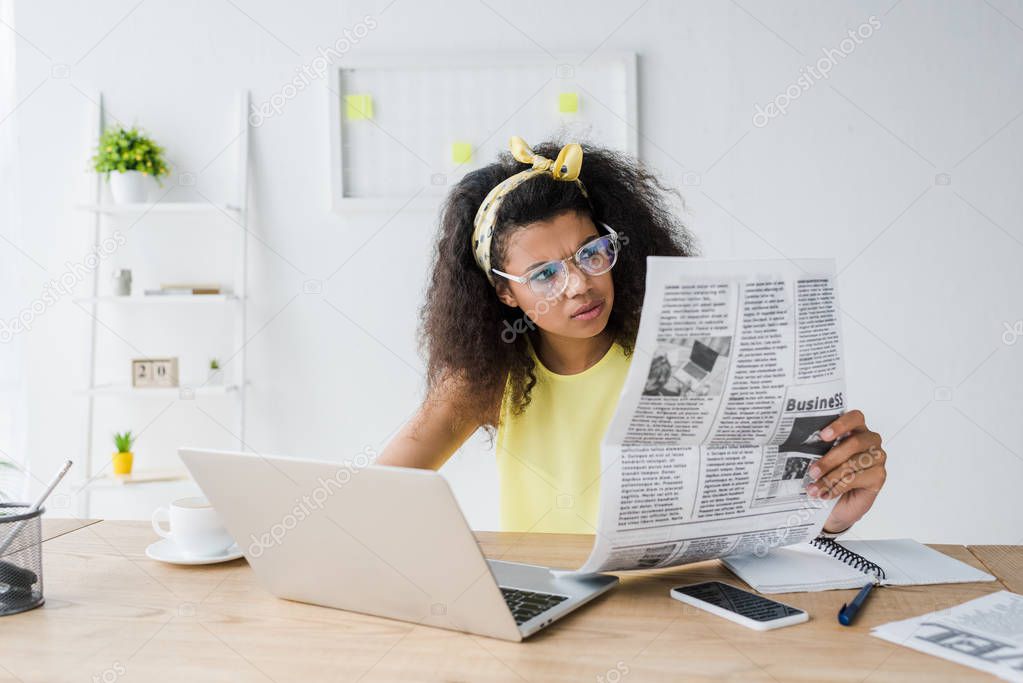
(358, 107)
(568, 102)
(461, 152)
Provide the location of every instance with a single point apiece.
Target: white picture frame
(571, 68)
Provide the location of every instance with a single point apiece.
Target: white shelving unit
(162, 208)
(170, 299)
(185, 391)
(94, 477)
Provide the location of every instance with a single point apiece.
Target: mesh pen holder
(21, 558)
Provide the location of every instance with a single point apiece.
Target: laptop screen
(703, 356)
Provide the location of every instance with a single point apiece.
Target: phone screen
(736, 600)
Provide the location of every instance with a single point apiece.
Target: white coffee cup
(195, 527)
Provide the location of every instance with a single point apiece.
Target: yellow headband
(566, 168)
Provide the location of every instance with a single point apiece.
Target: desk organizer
(21, 558)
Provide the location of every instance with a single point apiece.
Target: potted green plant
(129, 158)
(216, 374)
(123, 457)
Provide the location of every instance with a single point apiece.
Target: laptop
(701, 361)
(386, 541)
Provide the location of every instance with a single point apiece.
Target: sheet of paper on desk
(986, 634)
(737, 367)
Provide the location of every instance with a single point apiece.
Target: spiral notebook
(826, 564)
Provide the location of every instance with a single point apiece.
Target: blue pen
(848, 612)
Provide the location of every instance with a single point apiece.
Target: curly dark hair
(462, 319)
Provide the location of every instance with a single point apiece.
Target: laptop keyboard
(525, 605)
(694, 370)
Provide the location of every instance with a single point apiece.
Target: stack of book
(185, 290)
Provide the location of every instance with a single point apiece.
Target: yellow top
(548, 457)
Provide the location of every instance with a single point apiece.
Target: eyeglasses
(550, 280)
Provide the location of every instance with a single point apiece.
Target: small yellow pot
(122, 463)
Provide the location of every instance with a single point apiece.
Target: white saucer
(165, 551)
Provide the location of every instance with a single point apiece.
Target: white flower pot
(130, 187)
(215, 378)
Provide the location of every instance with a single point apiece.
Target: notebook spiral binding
(843, 554)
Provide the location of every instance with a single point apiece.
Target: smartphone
(735, 604)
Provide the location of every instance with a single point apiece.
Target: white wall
(929, 271)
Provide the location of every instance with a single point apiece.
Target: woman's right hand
(431, 436)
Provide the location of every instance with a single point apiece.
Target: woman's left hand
(852, 471)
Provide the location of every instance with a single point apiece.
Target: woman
(529, 324)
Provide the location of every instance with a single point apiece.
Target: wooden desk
(58, 526)
(112, 614)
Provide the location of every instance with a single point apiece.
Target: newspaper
(737, 367)
(986, 634)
